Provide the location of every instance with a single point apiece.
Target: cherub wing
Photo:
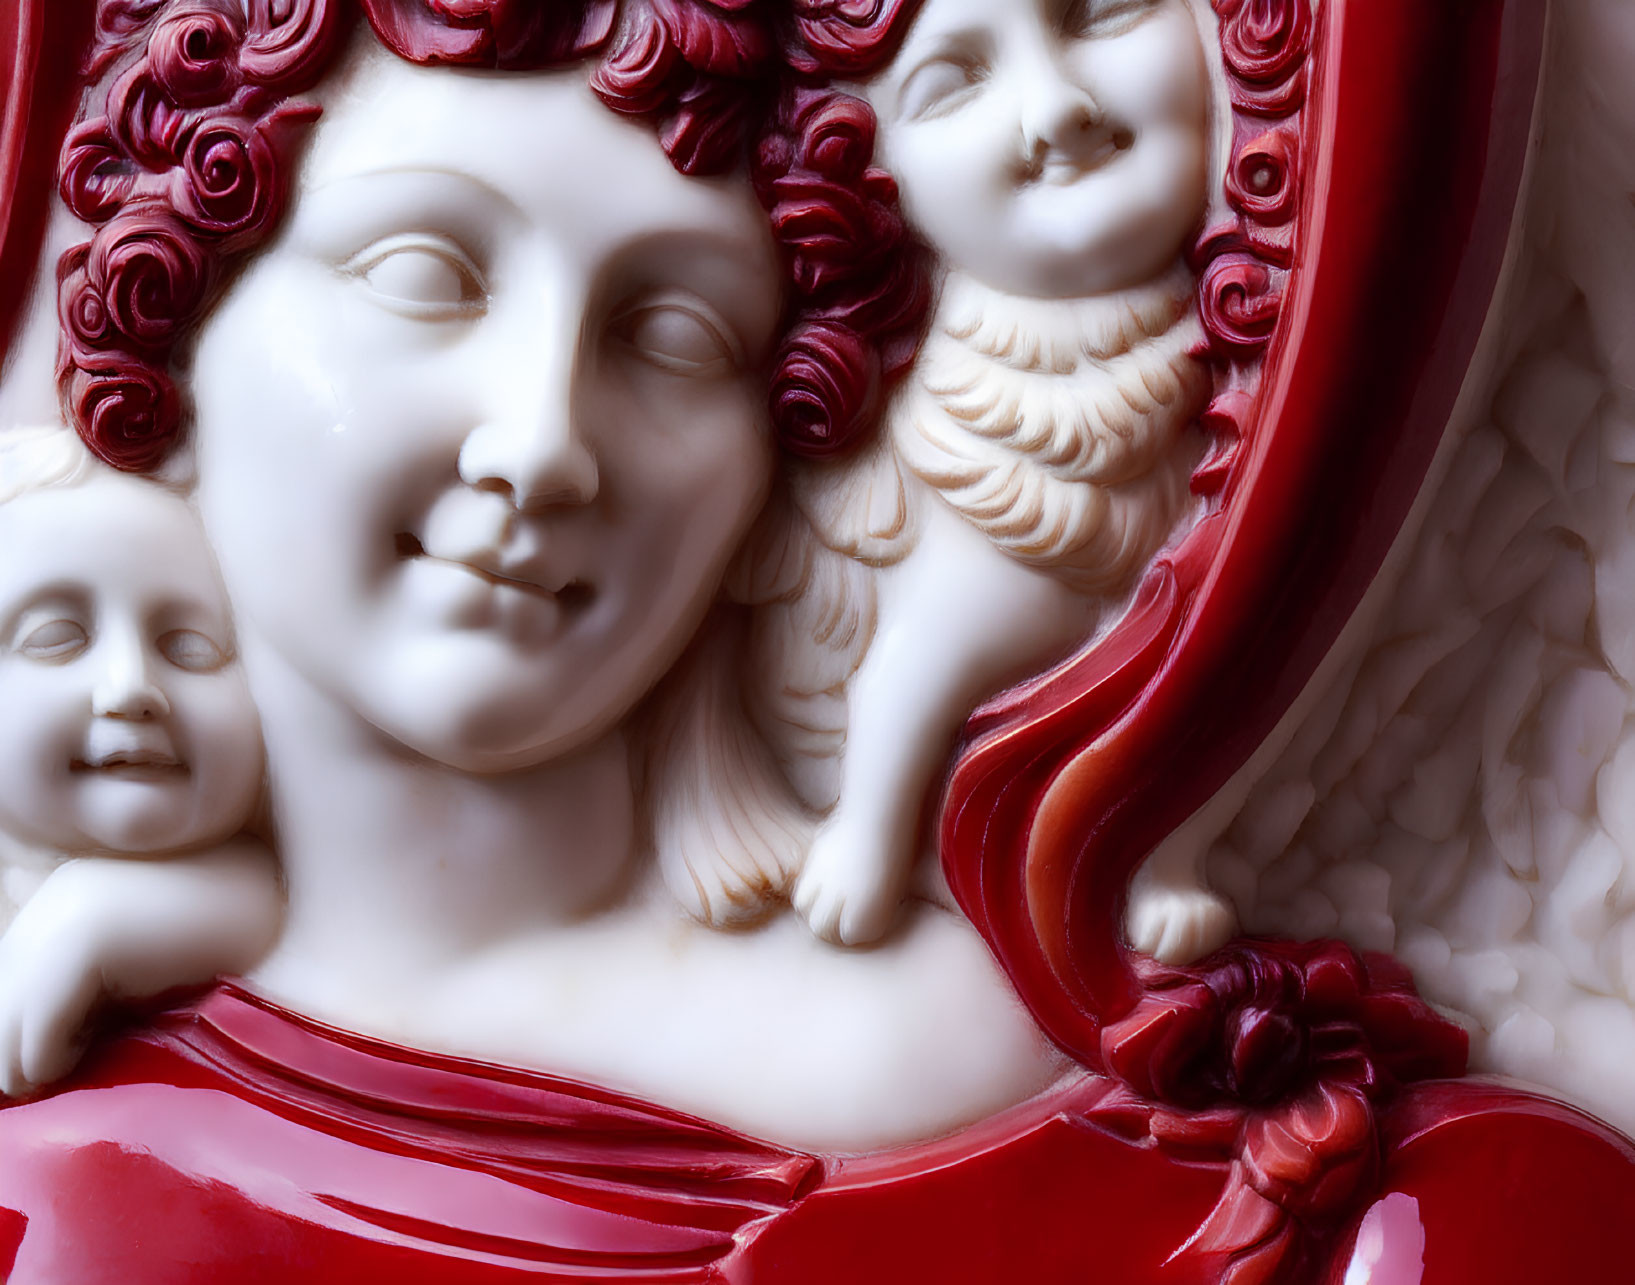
(809, 570)
(1464, 792)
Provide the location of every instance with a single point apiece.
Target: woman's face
(1050, 148)
(478, 434)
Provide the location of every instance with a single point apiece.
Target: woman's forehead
(540, 140)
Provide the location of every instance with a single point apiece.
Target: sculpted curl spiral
(183, 162)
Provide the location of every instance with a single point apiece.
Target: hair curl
(186, 167)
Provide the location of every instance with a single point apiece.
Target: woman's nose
(127, 687)
(527, 444)
(534, 464)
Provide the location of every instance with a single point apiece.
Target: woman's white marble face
(479, 433)
(1050, 148)
(127, 724)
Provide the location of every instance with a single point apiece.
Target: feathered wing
(728, 832)
(809, 575)
(1465, 793)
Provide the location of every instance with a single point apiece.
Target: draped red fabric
(42, 43)
(231, 1141)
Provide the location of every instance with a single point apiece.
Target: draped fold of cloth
(232, 1129)
(227, 1141)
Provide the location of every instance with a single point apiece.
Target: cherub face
(125, 722)
(1051, 148)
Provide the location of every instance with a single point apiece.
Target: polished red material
(230, 1141)
(1279, 1058)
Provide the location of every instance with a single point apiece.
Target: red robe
(231, 1141)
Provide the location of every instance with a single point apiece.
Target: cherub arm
(117, 928)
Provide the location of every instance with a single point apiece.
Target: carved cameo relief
(646, 574)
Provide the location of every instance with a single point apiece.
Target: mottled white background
(1464, 793)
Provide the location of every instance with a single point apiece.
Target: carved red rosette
(1265, 44)
(1242, 265)
(1273, 1056)
(844, 38)
(1263, 180)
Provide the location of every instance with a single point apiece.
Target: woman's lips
(566, 594)
(131, 765)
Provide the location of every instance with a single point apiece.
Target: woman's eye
(53, 641)
(428, 278)
(190, 650)
(678, 340)
(938, 86)
(1088, 19)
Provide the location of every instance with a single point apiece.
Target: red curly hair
(182, 164)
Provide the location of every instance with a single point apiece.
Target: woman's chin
(480, 728)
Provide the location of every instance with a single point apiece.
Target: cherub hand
(50, 981)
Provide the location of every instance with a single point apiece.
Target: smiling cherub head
(125, 722)
(1050, 148)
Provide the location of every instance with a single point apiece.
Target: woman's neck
(400, 869)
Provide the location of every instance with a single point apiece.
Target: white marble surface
(1465, 793)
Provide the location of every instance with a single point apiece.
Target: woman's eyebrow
(395, 175)
(332, 216)
(708, 261)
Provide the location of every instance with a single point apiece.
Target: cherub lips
(133, 751)
(1060, 167)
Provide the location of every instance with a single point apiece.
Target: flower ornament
(287, 43)
(228, 183)
(1263, 180)
(845, 37)
(1239, 301)
(80, 305)
(96, 177)
(127, 411)
(1264, 40)
(150, 274)
(146, 125)
(1265, 44)
(1275, 1056)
